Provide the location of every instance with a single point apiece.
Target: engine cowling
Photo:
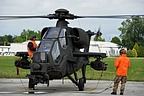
(81, 39)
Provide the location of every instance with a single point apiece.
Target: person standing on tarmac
(31, 46)
(122, 63)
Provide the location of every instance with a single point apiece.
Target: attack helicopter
(59, 53)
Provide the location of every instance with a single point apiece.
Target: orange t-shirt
(122, 63)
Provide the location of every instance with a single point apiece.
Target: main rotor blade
(67, 16)
(24, 17)
(112, 16)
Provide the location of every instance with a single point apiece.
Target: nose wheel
(81, 84)
(31, 86)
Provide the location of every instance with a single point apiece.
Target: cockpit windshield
(52, 33)
(48, 39)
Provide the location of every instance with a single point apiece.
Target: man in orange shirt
(31, 47)
(122, 64)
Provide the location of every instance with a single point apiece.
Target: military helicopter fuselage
(62, 51)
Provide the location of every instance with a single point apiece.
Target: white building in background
(14, 47)
(5, 50)
(111, 49)
(20, 47)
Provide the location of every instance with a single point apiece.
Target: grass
(8, 69)
(135, 72)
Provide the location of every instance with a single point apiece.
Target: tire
(31, 84)
(81, 84)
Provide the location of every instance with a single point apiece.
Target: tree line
(131, 37)
(24, 36)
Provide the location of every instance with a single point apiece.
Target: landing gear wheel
(31, 86)
(47, 83)
(81, 84)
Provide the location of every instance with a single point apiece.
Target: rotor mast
(61, 23)
(61, 15)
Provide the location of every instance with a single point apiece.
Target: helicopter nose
(36, 66)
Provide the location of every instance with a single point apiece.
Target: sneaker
(113, 93)
(121, 93)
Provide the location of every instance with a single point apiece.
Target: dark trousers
(117, 79)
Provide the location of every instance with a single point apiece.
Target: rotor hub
(62, 11)
(61, 14)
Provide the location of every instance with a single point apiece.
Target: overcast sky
(109, 27)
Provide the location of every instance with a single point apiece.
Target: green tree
(140, 51)
(18, 39)
(136, 47)
(25, 35)
(98, 38)
(129, 53)
(8, 39)
(116, 40)
(132, 31)
(2, 40)
(134, 52)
